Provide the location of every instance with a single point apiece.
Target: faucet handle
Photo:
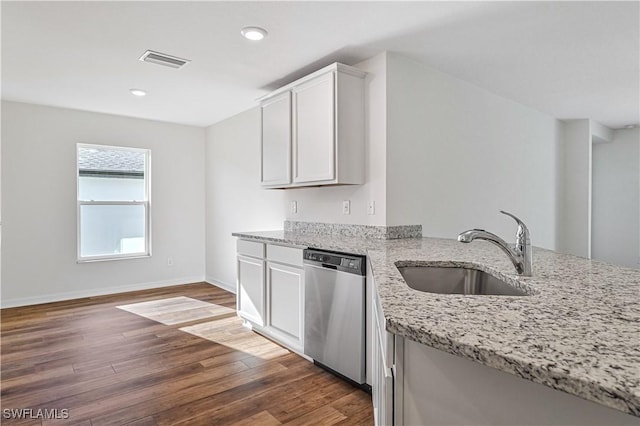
(523, 232)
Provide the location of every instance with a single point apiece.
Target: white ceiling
(568, 59)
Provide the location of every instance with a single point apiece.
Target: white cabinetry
(314, 148)
(437, 388)
(285, 296)
(271, 291)
(382, 391)
(250, 291)
(324, 132)
(276, 140)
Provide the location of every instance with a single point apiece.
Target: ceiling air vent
(163, 59)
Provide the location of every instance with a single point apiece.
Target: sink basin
(455, 280)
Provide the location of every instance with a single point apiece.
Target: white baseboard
(58, 297)
(218, 283)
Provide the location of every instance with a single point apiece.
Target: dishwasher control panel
(350, 263)
(341, 261)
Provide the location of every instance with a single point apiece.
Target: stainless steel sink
(455, 280)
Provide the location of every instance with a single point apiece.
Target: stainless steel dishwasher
(334, 312)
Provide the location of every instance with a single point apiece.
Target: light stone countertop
(325, 242)
(577, 331)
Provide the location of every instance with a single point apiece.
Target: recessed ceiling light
(138, 92)
(630, 126)
(253, 33)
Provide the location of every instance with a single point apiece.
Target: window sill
(112, 258)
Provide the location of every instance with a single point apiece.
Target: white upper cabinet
(314, 152)
(313, 130)
(276, 140)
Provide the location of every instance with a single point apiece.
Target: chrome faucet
(520, 253)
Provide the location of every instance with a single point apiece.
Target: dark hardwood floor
(95, 364)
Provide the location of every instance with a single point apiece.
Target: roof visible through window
(109, 162)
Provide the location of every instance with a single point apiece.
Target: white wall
(39, 199)
(457, 154)
(0, 198)
(616, 203)
(235, 201)
(0, 177)
(324, 204)
(574, 234)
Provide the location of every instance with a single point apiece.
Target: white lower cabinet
(250, 292)
(270, 294)
(250, 282)
(437, 388)
(382, 358)
(285, 304)
(382, 386)
(427, 386)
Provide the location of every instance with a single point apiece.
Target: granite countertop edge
(558, 380)
(401, 303)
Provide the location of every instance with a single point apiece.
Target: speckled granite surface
(354, 231)
(331, 242)
(578, 330)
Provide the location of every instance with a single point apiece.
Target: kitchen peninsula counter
(577, 330)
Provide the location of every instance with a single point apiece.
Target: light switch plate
(294, 207)
(346, 207)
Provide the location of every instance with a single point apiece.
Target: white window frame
(146, 202)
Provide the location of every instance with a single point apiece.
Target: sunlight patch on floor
(176, 310)
(230, 332)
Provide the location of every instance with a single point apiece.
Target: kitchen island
(577, 330)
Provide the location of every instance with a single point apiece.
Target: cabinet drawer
(282, 254)
(251, 248)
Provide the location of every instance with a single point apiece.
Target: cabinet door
(251, 289)
(285, 304)
(382, 386)
(314, 130)
(276, 141)
(376, 376)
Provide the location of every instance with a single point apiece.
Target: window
(113, 202)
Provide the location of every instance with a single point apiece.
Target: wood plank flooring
(95, 364)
